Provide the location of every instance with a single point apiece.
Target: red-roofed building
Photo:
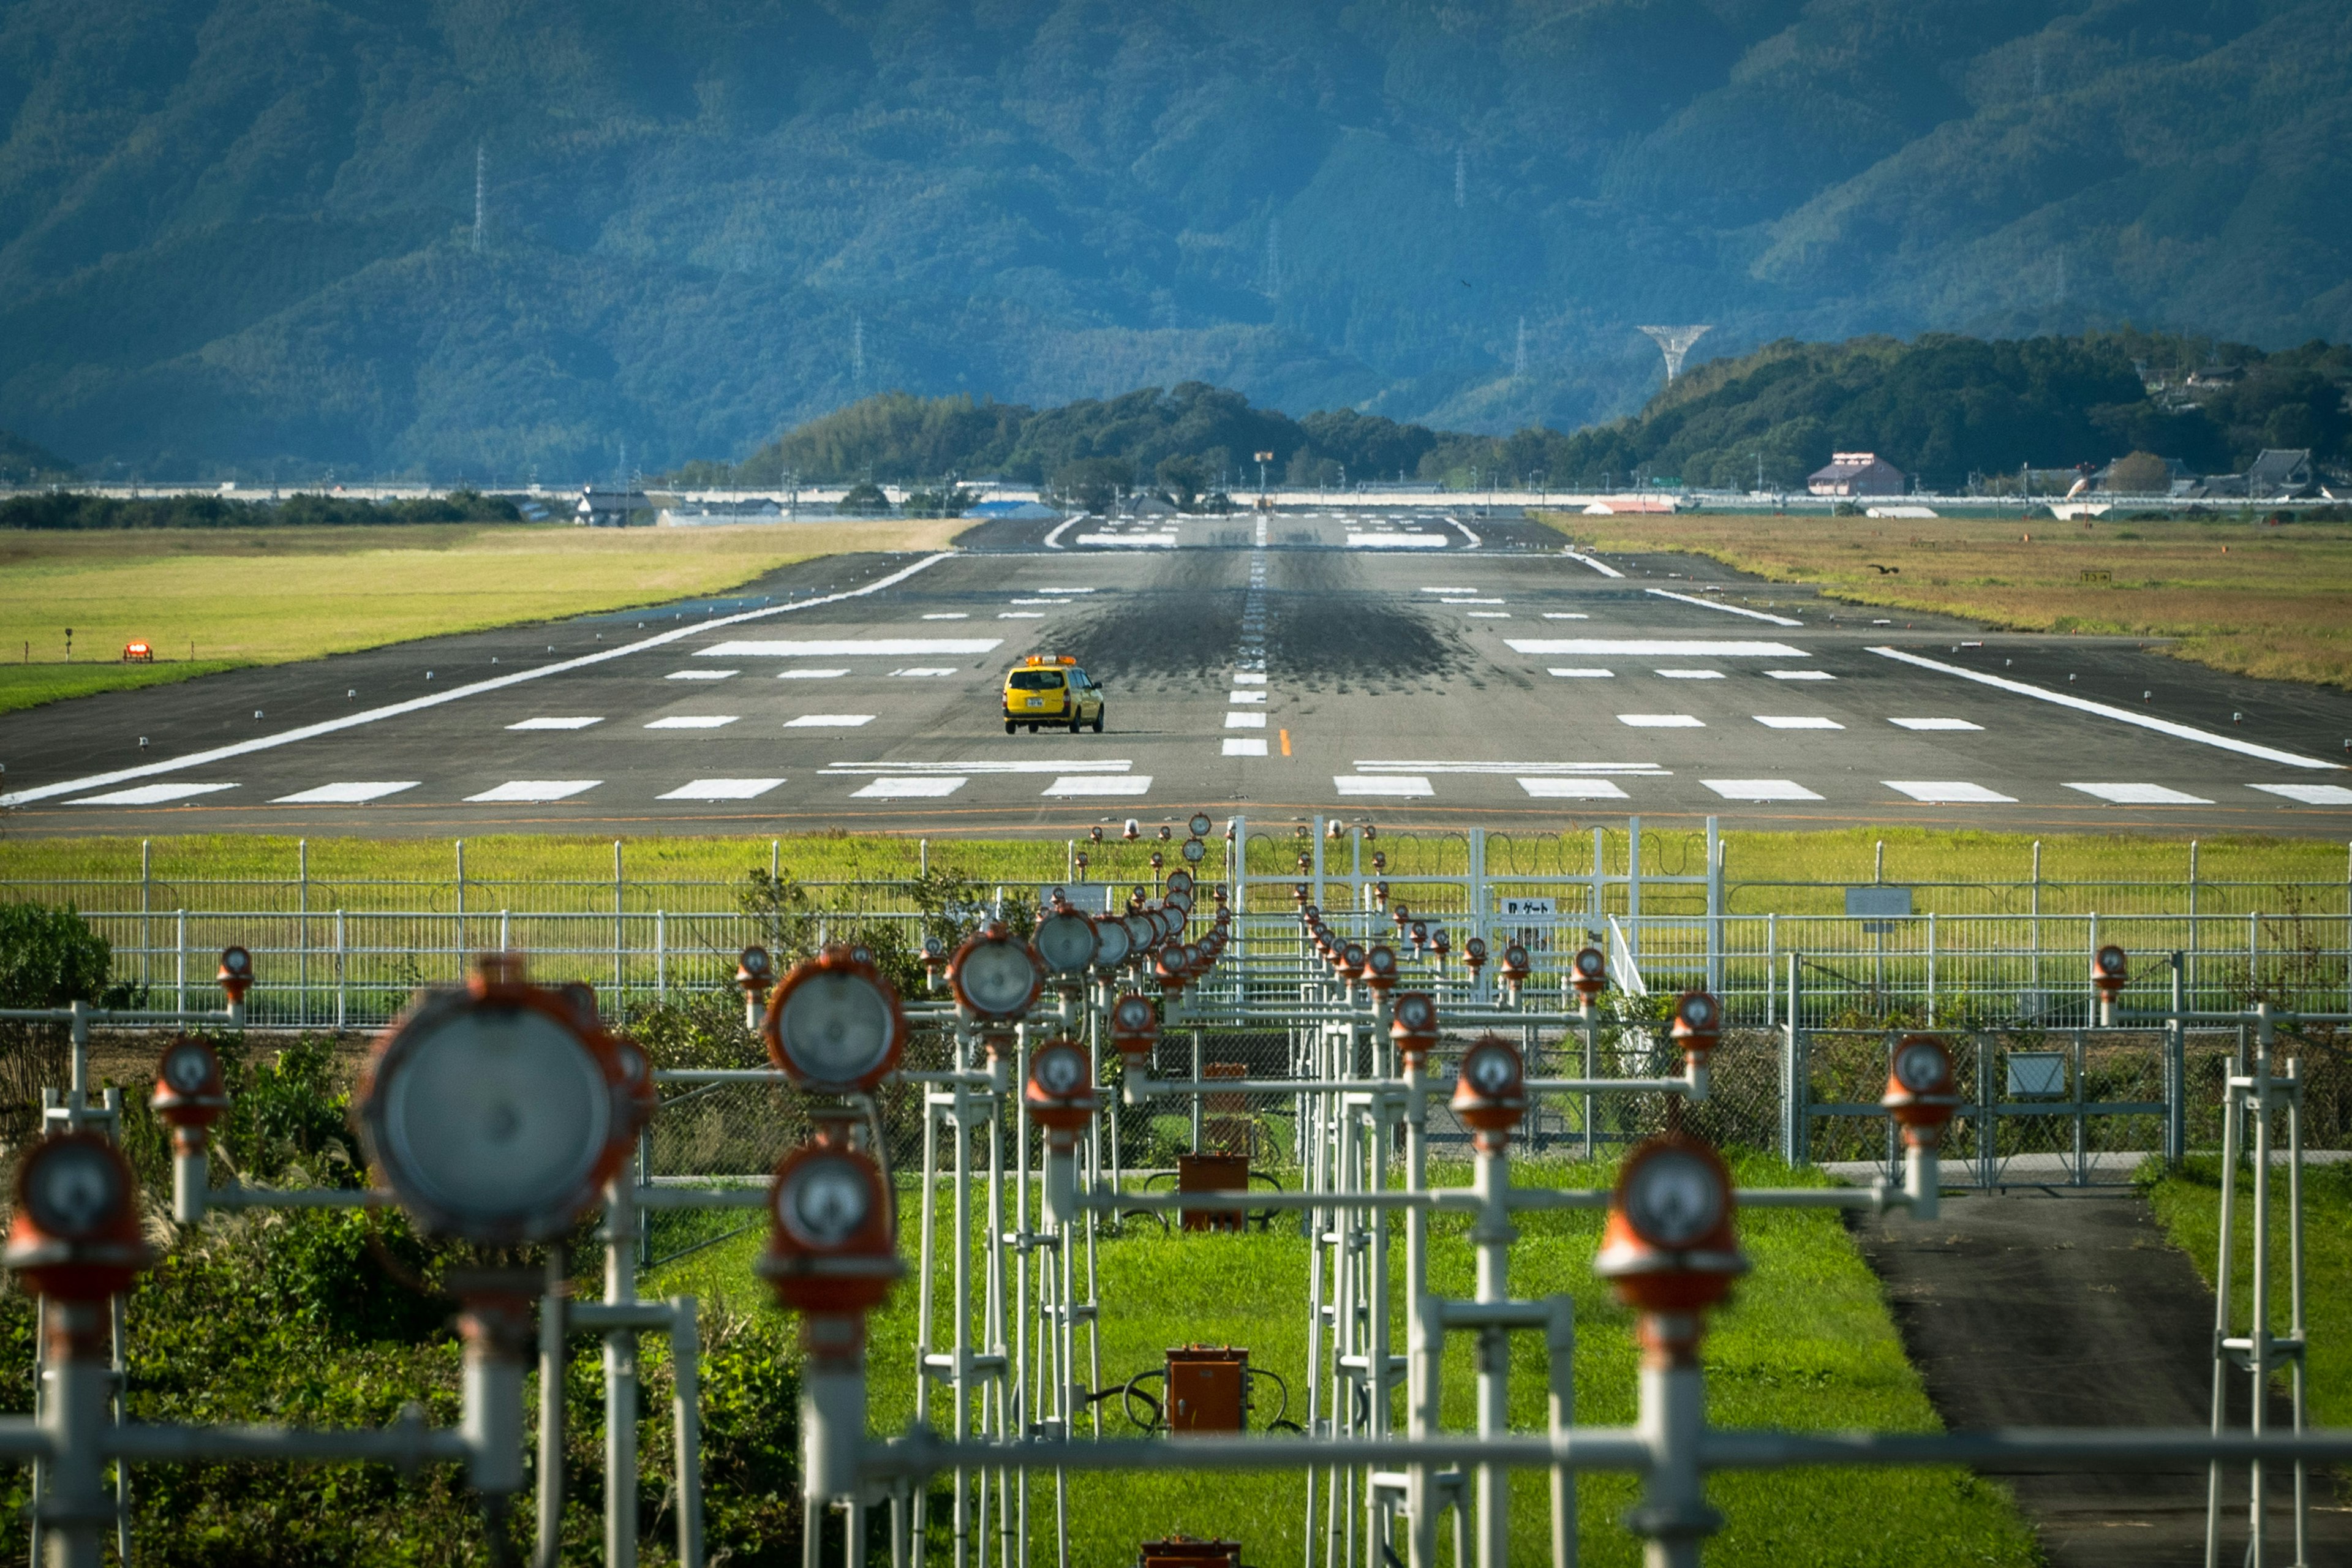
(1858, 474)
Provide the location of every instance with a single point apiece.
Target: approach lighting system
(235, 974)
(1698, 1024)
(1668, 1250)
(830, 1254)
(1491, 1093)
(74, 1235)
(1194, 851)
(1590, 974)
(1112, 945)
(1920, 1091)
(1351, 962)
(995, 975)
(835, 1026)
(755, 972)
(1135, 1032)
(1412, 1025)
(1179, 880)
(935, 961)
(2110, 970)
(1060, 1098)
(190, 1095)
(1067, 942)
(1516, 968)
(497, 1112)
(1380, 966)
(1474, 954)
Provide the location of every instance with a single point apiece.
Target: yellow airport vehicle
(1050, 689)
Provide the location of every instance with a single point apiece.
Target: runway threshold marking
(1600, 566)
(153, 795)
(2309, 794)
(2105, 711)
(1726, 609)
(1949, 792)
(416, 704)
(2139, 795)
(353, 793)
(1654, 647)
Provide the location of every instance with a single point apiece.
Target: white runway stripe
(1486, 615)
(1690, 674)
(343, 794)
(847, 648)
(1797, 722)
(1565, 615)
(1021, 615)
(1661, 721)
(694, 721)
(721, 789)
(700, 674)
(947, 616)
(927, 786)
(811, 674)
(828, 721)
(1760, 789)
(1372, 766)
(152, 795)
(1397, 786)
(1089, 765)
(2105, 711)
(1947, 792)
(1600, 566)
(2139, 795)
(1801, 675)
(1726, 609)
(1081, 785)
(1571, 789)
(1579, 672)
(571, 723)
(526, 790)
(1654, 647)
(1396, 541)
(496, 683)
(1249, 678)
(1245, 720)
(2309, 794)
(1243, 746)
(1934, 724)
(1238, 698)
(927, 669)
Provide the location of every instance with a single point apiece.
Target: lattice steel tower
(1674, 342)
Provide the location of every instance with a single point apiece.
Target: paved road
(1404, 666)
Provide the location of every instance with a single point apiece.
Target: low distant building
(1858, 474)
(2281, 474)
(612, 509)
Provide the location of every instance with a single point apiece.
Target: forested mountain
(240, 235)
(1944, 408)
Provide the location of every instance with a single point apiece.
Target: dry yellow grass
(2238, 596)
(243, 596)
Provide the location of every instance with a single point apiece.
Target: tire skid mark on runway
(438, 698)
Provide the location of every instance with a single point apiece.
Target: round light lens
(1589, 962)
(1922, 1068)
(1111, 944)
(1417, 1012)
(1700, 1010)
(1200, 825)
(1673, 1199)
(1195, 851)
(1067, 942)
(2111, 961)
(1514, 956)
(825, 1202)
(755, 962)
(1133, 1016)
(998, 976)
(1490, 1069)
(1141, 933)
(834, 1027)
(187, 1067)
(73, 1190)
(1059, 1071)
(236, 961)
(495, 1117)
(1380, 961)
(1179, 880)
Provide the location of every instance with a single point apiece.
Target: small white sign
(1545, 910)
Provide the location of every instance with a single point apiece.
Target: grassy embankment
(1828, 859)
(209, 600)
(1806, 1343)
(2189, 1202)
(2236, 594)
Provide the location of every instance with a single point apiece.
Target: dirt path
(2067, 1308)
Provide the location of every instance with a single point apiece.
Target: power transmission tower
(481, 183)
(1460, 177)
(1519, 355)
(857, 351)
(1674, 342)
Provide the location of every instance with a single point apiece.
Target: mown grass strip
(1806, 1343)
(211, 600)
(2237, 593)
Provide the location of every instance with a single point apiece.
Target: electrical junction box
(1211, 1174)
(1208, 1389)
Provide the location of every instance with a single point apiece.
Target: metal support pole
(553, 1360)
(621, 1376)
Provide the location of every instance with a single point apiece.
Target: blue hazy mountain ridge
(240, 235)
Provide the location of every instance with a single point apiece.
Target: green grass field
(211, 600)
(2189, 1202)
(1807, 1344)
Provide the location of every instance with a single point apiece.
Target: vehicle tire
(1099, 714)
(1076, 724)
(1033, 729)
(1009, 726)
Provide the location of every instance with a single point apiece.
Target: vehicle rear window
(1036, 680)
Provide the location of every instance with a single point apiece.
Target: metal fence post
(1771, 942)
(1634, 887)
(1796, 1127)
(146, 907)
(341, 970)
(618, 904)
(180, 968)
(661, 955)
(302, 923)
(458, 938)
(1987, 1118)
(2175, 1067)
(1931, 969)
(1713, 906)
(1600, 879)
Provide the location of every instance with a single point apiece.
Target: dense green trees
(67, 509)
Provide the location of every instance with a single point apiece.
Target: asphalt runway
(1408, 667)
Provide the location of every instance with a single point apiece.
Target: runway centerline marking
(1571, 789)
(2309, 794)
(1949, 792)
(1797, 722)
(1245, 720)
(1245, 695)
(1072, 786)
(1760, 789)
(694, 721)
(924, 787)
(1654, 647)
(1397, 786)
(580, 722)
(1689, 674)
(1726, 609)
(1662, 721)
(354, 794)
(1377, 765)
(1243, 746)
(1566, 615)
(535, 791)
(1800, 675)
(2105, 711)
(1581, 673)
(811, 674)
(828, 721)
(456, 693)
(700, 674)
(1934, 724)
(1089, 765)
(847, 648)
